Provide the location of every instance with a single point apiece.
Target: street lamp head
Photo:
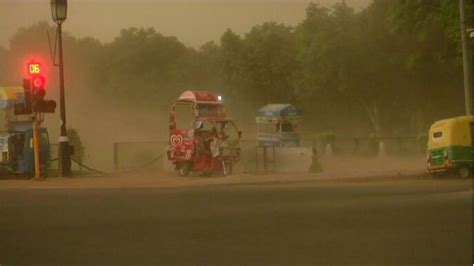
(59, 10)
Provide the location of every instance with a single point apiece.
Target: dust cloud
(100, 125)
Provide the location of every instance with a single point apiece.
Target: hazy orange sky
(193, 22)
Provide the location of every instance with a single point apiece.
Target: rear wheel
(183, 169)
(465, 172)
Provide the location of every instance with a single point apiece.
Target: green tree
(155, 66)
(383, 69)
(269, 63)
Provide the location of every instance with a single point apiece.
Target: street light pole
(59, 14)
(63, 149)
(466, 63)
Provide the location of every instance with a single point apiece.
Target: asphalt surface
(426, 221)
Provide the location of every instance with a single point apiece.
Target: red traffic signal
(38, 81)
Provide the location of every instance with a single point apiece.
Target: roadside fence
(152, 154)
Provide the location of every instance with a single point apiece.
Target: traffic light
(33, 68)
(24, 108)
(38, 90)
(34, 93)
(38, 103)
(27, 92)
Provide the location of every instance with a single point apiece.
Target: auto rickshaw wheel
(183, 169)
(465, 172)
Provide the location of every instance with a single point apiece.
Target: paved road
(396, 221)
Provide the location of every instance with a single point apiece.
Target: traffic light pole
(63, 152)
(37, 145)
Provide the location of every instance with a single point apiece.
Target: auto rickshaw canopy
(192, 106)
(451, 132)
(199, 97)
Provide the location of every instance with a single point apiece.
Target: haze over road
(396, 222)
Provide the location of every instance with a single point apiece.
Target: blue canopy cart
(278, 125)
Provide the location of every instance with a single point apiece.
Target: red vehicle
(202, 138)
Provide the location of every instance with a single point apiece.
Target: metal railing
(151, 154)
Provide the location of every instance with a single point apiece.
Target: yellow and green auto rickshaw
(450, 146)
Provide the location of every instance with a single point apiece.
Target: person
(223, 139)
(205, 144)
(222, 135)
(213, 143)
(199, 137)
(315, 164)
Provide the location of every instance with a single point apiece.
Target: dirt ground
(334, 169)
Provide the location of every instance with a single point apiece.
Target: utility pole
(37, 145)
(466, 62)
(59, 14)
(36, 138)
(64, 153)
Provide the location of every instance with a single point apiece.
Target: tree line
(388, 69)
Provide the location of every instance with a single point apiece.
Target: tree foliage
(393, 66)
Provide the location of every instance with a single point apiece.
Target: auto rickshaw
(450, 146)
(201, 136)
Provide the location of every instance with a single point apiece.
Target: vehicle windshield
(184, 117)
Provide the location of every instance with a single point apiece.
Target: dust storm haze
(344, 154)
(194, 23)
(356, 67)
